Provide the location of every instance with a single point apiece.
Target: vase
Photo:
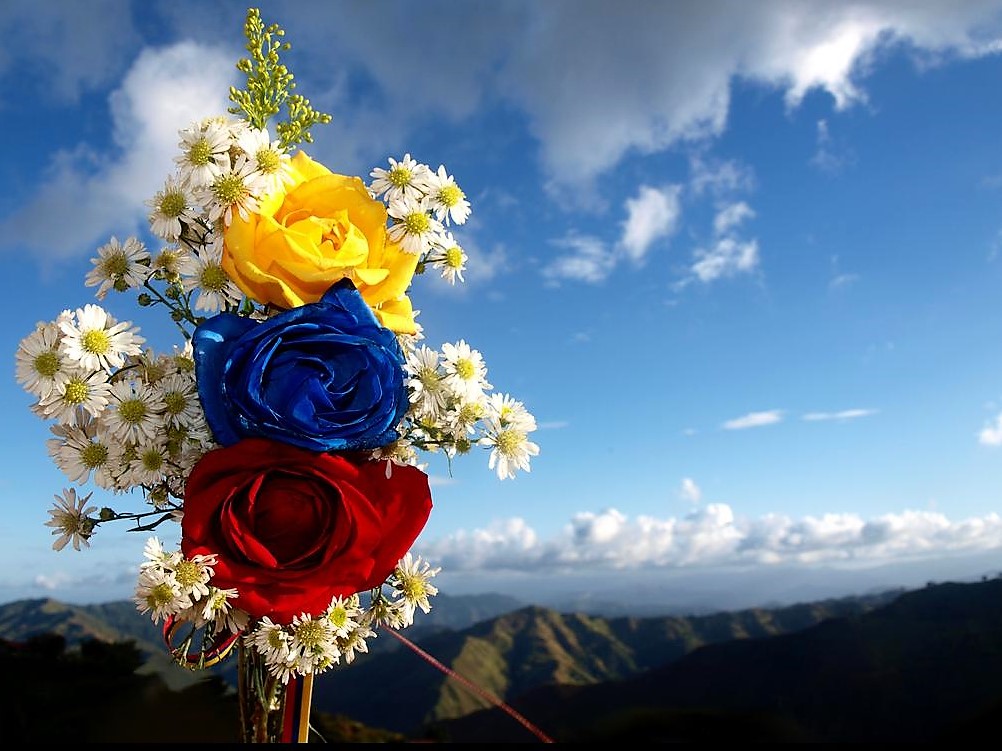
(270, 711)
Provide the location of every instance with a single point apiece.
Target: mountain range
(897, 665)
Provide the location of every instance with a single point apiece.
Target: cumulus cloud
(652, 215)
(100, 194)
(712, 536)
(845, 414)
(991, 434)
(754, 420)
(598, 81)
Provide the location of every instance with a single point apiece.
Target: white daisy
(446, 199)
(234, 189)
(313, 643)
(465, 371)
(354, 642)
(509, 412)
(413, 228)
(39, 361)
(170, 206)
(217, 608)
(157, 557)
(193, 574)
(411, 580)
(151, 463)
(453, 260)
(118, 266)
(203, 271)
(342, 614)
(267, 157)
(95, 340)
(511, 449)
(271, 640)
(134, 411)
(179, 395)
(69, 517)
(205, 152)
(75, 394)
(167, 263)
(83, 450)
(427, 391)
(404, 179)
(386, 612)
(157, 592)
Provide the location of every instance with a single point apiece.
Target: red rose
(292, 528)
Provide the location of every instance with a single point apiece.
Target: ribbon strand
(471, 686)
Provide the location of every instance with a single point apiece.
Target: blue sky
(741, 260)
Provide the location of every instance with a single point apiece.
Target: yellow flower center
(199, 153)
(413, 588)
(76, 392)
(454, 257)
(310, 634)
(132, 411)
(47, 363)
(229, 188)
(175, 402)
(399, 177)
(152, 460)
(465, 368)
(188, 574)
(94, 455)
(213, 278)
(275, 638)
(450, 195)
(509, 441)
(338, 617)
(172, 204)
(417, 223)
(160, 596)
(114, 265)
(96, 341)
(268, 160)
(470, 413)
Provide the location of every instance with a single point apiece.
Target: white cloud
(652, 215)
(690, 491)
(99, 194)
(718, 178)
(754, 420)
(845, 414)
(731, 217)
(727, 255)
(589, 260)
(712, 536)
(656, 74)
(828, 156)
(991, 434)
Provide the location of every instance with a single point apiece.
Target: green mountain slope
(514, 653)
(925, 667)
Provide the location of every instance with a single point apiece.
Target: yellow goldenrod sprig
(270, 85)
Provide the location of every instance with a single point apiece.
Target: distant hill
(924, 667)
(534, 646)
(508, 654)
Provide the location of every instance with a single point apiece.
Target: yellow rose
(321, 228)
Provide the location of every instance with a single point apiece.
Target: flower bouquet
(284, 431)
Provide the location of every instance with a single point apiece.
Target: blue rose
(324, 376)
